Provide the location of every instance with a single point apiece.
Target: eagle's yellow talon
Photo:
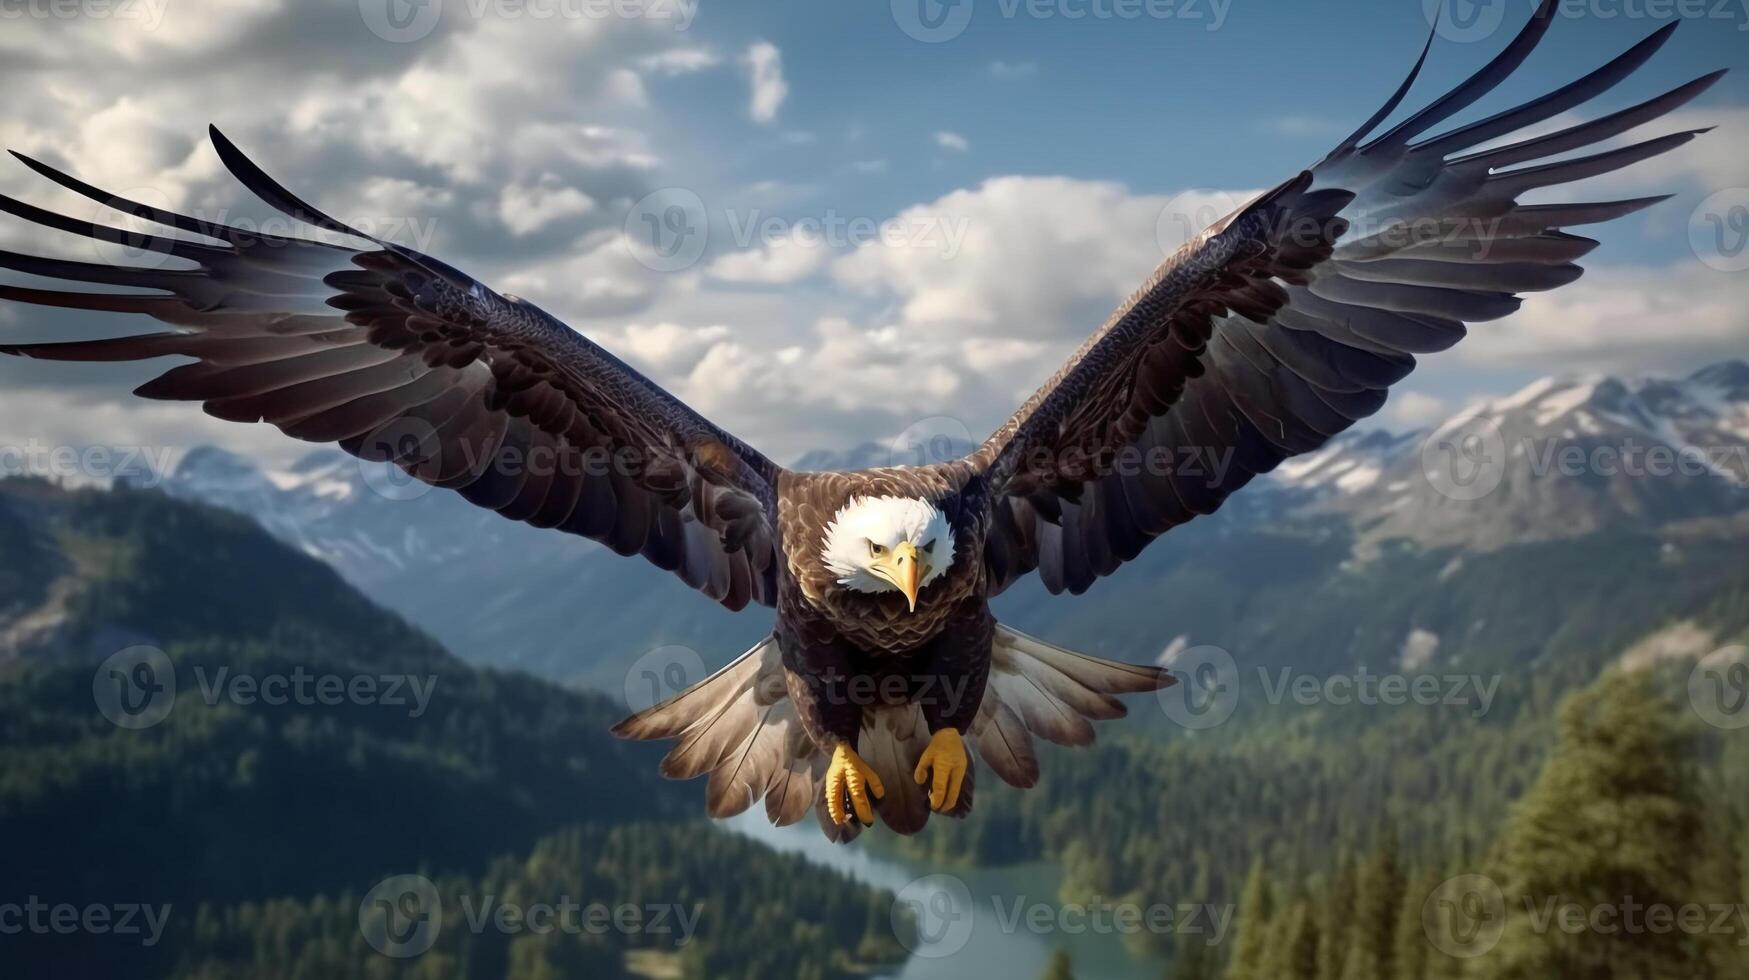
(849, 776)
(945, 758)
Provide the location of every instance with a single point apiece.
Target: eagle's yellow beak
(903, 567)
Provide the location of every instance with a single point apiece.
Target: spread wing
(398, 357)
(1285, 323)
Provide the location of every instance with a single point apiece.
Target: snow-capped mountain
(1561, 458)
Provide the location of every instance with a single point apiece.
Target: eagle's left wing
(399, 357)
(1286, 322)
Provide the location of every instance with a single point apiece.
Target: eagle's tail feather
(738, 726)
(1042, 689)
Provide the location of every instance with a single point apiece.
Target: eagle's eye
(876, 550)
(929, 549)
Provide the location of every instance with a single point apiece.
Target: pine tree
(1378, 893)
(1616, 816)
(1336, 921)
(1409, 947)
(1293, 944)
(1256, 919)
(1192, 959)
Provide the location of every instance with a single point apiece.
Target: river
(975, 922)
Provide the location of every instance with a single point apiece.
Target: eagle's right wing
(1286, 322)
(398, 357)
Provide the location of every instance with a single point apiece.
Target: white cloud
(1621, 318)
(1043, 257)
(785, 260)
(949, 140)
(526, 209)
(764, 65)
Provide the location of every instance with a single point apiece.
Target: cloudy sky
(821, 223)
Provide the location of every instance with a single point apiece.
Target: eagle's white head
(888, 544)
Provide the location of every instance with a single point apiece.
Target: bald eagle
(1274, 329)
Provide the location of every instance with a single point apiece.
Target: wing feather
(1288, 321)
(400, 357)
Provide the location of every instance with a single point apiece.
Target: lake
(1000, 922)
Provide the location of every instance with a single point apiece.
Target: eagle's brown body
(832, 637)
(1273, 330)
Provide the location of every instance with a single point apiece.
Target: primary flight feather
(1273, 330)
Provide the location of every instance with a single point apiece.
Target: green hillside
(262, 824)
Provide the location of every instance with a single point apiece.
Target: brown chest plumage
(877, 623)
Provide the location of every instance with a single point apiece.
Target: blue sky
(1027, 162)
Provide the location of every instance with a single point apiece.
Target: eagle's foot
(945, 760)
(849, 776)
